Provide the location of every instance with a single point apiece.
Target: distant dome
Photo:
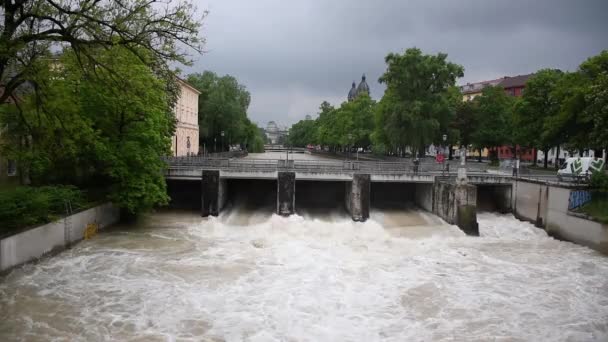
(363, 87)
(352, 93)
(272, 127)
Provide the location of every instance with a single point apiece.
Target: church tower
(352, 93)
(355, 90)
(363, 87)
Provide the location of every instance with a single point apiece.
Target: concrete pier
(457, 204)
(213, 193)
(357, 197)
(286, 193)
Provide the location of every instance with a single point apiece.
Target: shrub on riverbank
(26, 206)
(598, 206)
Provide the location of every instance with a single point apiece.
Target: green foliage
(493, 119)
(302, 133)
(465, 123)
(104, 128)
(599, 182)
(538, 105)
(27, 206)
(222, 106)
(349, 125)
(416, 108)
(32, 28)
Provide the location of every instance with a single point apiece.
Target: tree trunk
(535, 155)
(557, 158)
(451, 156)
(479, 159)
(546, 153)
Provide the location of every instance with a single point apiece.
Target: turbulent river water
(254, 276)
(249, 275)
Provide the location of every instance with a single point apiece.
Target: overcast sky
(292, 55)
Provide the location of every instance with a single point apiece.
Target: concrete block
(210, 193)
(357, 197)
(286, 193)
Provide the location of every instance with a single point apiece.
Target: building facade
(472, 90)
(513, 86)
(185, 140)
(274, 133)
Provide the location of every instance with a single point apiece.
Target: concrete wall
(530, 202)
(546, 205)
(423, 196)
(563, 224)
(36, 242)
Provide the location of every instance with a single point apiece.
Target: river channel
(250, 275)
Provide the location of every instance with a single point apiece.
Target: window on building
(11, 169)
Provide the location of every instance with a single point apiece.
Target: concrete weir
(213, 193)
(286, 193)
(457, 204)
(357, 197)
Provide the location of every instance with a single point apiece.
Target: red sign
(440, 158)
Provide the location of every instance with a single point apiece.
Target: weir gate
(209, 184)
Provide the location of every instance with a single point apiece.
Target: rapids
(403, 275)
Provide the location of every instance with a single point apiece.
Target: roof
(477, 87)
(187, 85)
(515, 81)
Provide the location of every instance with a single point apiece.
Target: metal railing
(376, 167)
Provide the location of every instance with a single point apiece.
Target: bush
(599, 182)
(27, 206)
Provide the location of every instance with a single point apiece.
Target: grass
(597, 208)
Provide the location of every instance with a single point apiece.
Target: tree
(31, 28)
(84, 129)
(537, 105)
(302, 133)
(583, 114)
(222, 106)
(494, 120)
(416, 98)
(595, 73)
(465, 121)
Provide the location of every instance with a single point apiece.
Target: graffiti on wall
(578, 198)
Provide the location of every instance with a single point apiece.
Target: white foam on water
(260, 277)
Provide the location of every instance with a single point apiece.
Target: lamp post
(350, 139)
(445, 138)
(222, 134)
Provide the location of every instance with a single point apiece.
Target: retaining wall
(547, 206)
(36, 242)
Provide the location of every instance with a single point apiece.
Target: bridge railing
(378, 167)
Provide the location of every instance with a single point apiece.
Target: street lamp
(350, 139)
(222, 134)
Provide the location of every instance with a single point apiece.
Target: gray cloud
(293, 55)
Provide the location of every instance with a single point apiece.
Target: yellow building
(185, 140)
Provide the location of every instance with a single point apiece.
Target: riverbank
(36, 242)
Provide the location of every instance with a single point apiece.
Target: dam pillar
(286, 193)
(213, 193)
(357, 197)
(457, 204)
